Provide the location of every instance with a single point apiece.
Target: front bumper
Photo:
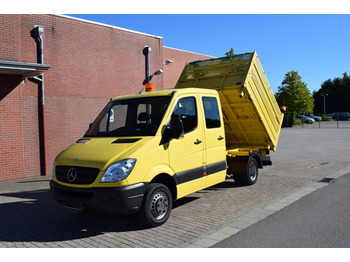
(121, 200)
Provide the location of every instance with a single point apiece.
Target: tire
(237, 178)
(156, 205)
(245, 171)
(252, 172)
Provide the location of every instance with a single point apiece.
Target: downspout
(37, 33)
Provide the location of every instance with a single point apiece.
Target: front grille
(84, 175)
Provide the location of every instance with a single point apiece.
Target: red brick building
(84, 64)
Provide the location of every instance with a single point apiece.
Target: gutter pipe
(37, 33)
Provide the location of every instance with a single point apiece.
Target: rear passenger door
(215, 148)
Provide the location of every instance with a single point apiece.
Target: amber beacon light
(149, 87)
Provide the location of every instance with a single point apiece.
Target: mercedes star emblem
(72, 174)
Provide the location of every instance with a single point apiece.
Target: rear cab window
(211, 111)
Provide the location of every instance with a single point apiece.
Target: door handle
(220, 138)
(198, 142)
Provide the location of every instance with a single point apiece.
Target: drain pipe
(37, 33)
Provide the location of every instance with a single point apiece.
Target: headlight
(118, 171)
(54, 171)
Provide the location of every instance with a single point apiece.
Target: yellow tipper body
(251, 114)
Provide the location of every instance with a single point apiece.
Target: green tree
(337, 93)
(294, 94)
(230, 53)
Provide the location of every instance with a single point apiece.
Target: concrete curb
(252, 218)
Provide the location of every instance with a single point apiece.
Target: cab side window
(186, 110)
(211, 111)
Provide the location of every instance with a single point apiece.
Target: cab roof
(166, 92)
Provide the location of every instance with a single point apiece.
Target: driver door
(186, 153)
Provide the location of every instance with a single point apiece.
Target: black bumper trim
(121, 200)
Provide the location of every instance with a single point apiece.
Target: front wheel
(156, 205)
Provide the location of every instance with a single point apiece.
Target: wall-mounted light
(167, 62)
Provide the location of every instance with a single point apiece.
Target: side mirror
(176, 128)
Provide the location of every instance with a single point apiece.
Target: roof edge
(106, 25)
(188, 51)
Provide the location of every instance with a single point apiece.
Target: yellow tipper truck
(147, 150)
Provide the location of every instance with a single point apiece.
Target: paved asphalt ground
(30, 217)
(318, 220)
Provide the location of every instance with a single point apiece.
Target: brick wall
(91, 63)
(94, 63)
(180, 58)
(10, 37)
(19, 151)
(19, 144)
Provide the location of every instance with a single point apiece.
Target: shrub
(298, 121)
(325, 118)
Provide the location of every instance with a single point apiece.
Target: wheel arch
(168, 181)
(162, 174)
(258, 159)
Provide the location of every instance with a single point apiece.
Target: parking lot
(30, 217)
(327, 124)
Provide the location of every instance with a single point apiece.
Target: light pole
(324, 102)
(146, 52)
(148, 76)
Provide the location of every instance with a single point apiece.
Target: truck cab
(144, 151)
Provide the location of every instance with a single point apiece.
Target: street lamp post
(324, 102)
(148, 76)
(146, 52)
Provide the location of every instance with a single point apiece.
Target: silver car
(316, 118)
(305, 119)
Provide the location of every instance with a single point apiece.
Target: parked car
(341, 116)
(306, 119)
(316, 118)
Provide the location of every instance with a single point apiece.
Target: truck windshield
(130, 117)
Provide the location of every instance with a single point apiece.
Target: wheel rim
(159, 205)
(252, 171)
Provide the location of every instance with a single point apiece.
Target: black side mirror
(176, 128)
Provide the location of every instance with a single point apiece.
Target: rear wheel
(252, 172)
(156, 205)
(245, 170)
